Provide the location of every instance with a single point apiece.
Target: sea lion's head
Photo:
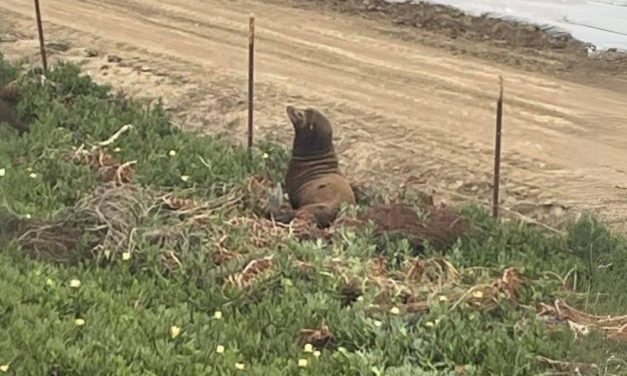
(313, 133)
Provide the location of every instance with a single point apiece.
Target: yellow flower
(218, 315)
(395, 311)
(317, 354)
(240, 366)
(2, 172)
(79, 322)
(302, 363)
(75, 283)
(175, 331)
(4, 368)
(185, 178)
(33, 175)
(172, 153)
(220, 349)
(126, 256)
(308, 348)
(478, 294)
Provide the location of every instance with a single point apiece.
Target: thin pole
(497, 151)
(251, 70)
(41, 38)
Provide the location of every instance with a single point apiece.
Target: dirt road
(402, 109)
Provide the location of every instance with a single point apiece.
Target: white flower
(172, 153)
(308, 348)
(377, 323)
(240, 366)
(126, 256)
(75, 283)
(395, 311)
(429, 324)
(79, 322)
(2, 172)
(175, 331)
(184, 177)
(302, 363)
(218, 315)
(33, 175)
(478, 294)
(317, 354)
(117, 150)
(443, 298)
(4, 368)
(265, 156)
(220, 349)
(49, 282)
(28, 216)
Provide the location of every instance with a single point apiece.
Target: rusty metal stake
(497, 151)
(41, 38)
(251, 70)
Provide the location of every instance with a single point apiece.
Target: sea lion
(315, 186)
(9, 97)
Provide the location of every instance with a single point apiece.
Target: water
(600, 22)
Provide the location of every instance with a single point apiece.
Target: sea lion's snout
(297, 117)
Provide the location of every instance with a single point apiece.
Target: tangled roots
(101, 222)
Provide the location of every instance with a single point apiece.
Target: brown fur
(9, 97)
(313, 181)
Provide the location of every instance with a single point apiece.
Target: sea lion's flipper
(323, 214)
(284, 216)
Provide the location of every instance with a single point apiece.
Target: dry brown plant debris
(581, 323)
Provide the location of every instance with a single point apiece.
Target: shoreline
(573, 18)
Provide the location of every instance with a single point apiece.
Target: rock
(90, 52)
(114, 59)
(58, 46)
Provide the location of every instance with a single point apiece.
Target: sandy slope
(402, 110)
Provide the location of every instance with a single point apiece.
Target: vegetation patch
(131, 247)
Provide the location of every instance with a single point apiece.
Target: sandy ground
(411, 106)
